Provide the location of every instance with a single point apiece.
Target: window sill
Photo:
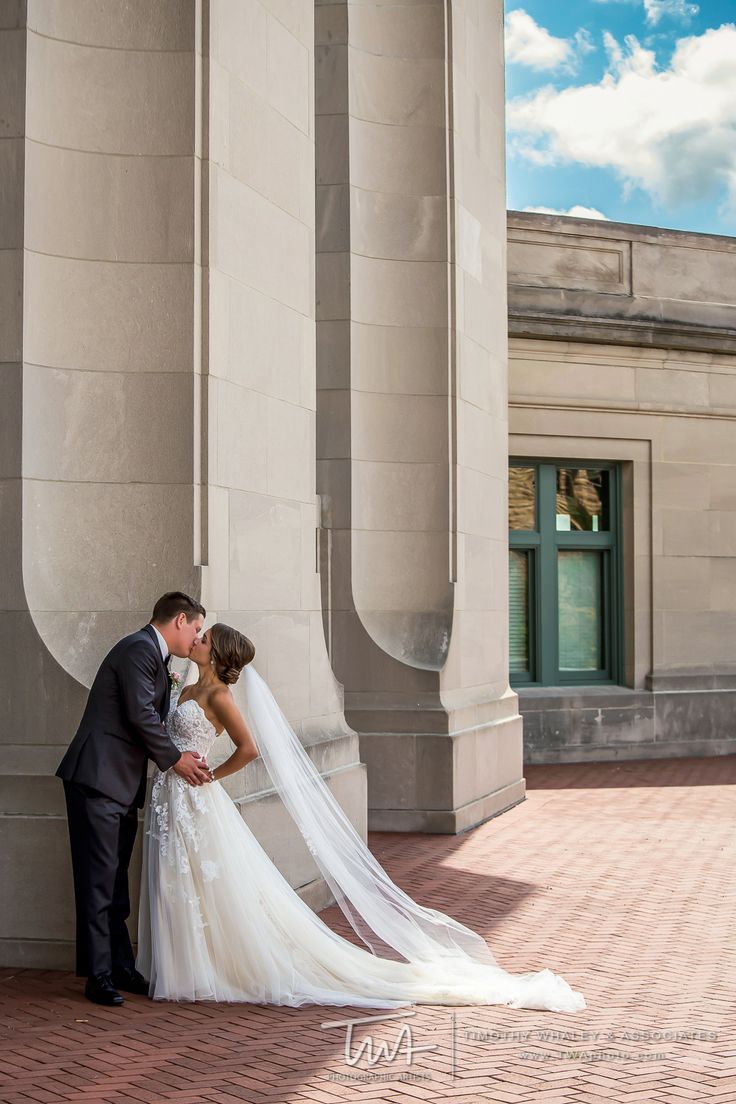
(576, 697)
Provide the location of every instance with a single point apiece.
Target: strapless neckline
(191, 729)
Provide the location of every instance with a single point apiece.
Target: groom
(104, 773)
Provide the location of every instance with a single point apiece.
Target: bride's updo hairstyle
(230, 652)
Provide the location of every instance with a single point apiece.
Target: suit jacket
(121, 728)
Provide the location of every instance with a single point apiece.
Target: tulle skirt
(219, 922)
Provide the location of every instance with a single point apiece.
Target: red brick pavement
(619, 876)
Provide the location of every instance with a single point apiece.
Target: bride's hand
(192, 768)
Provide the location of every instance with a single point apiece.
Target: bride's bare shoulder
(221, 693)
(221, 702)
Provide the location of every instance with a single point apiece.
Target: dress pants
(102, 834)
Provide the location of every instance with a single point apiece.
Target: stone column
(158, 390)
(100, 395)
(258, 369)
(412, 403)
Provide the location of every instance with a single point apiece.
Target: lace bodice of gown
(189, 728)
(177, 807)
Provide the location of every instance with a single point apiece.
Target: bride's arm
(224, 708)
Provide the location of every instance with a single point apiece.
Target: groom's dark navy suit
(104, 773)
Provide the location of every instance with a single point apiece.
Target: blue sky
(625, 107)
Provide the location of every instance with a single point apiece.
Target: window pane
(582, 499)
(580, 610)
(521, 498)
(518, 611)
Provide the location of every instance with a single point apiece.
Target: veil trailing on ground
(384, 917)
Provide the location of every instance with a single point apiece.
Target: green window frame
(577, 640)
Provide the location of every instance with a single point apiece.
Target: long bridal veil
(382, 915)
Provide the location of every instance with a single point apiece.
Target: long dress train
(218, 921)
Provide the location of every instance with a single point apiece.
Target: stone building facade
(622, 358)
(253, 345)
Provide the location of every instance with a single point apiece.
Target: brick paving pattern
(619, 876)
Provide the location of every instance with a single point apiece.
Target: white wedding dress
(219, 922)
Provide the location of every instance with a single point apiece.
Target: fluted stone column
(412, 403)
(157, 348)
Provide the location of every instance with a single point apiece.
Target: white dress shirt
(161, 643)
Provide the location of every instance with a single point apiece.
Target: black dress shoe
(101, 990)
(131, 981)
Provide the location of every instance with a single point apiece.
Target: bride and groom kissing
(217, 920)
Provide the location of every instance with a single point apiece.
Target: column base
(443, 782)
(452, 822)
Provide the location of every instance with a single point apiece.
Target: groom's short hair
(174, 602)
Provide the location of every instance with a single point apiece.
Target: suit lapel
(167, 696)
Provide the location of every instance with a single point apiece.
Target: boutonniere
(174, 679)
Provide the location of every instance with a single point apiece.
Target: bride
(219, 922)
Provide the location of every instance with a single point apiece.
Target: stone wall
(623, 348)
(158, 369)
(165, 262)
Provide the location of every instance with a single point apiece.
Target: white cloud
(680, 9)
(529, 44)
(583, 41)
(576, 211)
(654, 10)
(669, 131)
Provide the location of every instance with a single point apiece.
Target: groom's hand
(192, 768)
